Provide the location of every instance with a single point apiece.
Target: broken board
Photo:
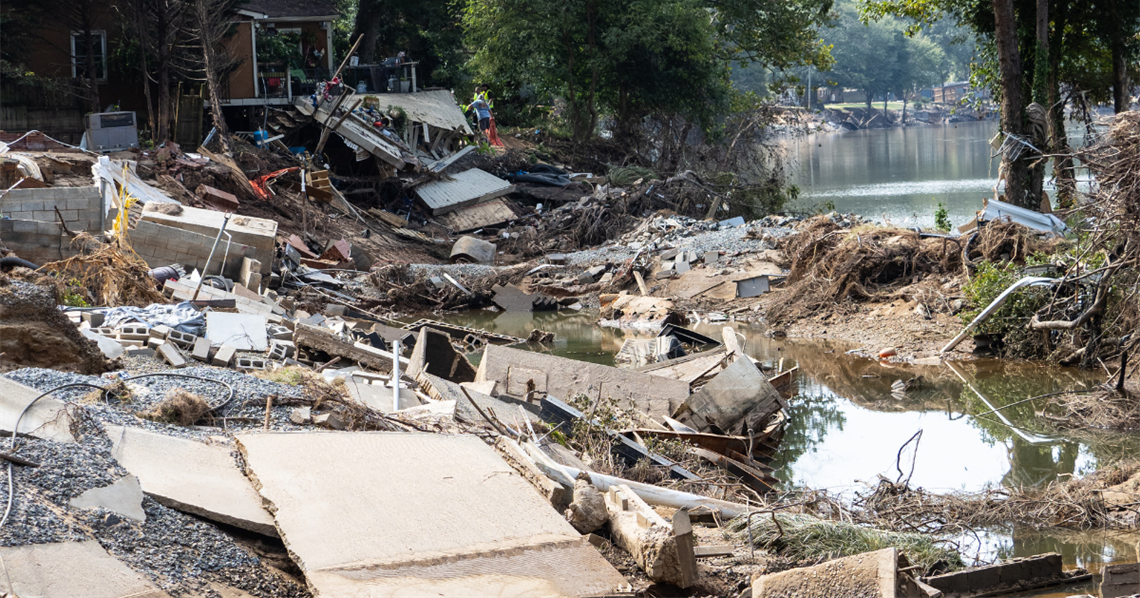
(466, 188)
(386, 514)
(478, 216)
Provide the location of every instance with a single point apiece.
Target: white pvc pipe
(996, 305)
(395, 375)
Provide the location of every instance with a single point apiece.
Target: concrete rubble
(348, 443)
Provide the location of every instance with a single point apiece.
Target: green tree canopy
(632, 58)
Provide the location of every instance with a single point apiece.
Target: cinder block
(280, 350)
(44, 215)
(94, 319)
(201, 349)
(154, 342)
(170, 354)
(24, 226)
(160, 331)
(134, 332)
(184, 340)
(250, 363)
(279, 332)
(224, 356)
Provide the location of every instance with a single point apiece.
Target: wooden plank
(478, 216)
(711, 551)
(641, 283)
(686, 557)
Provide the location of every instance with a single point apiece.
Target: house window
(79, 54)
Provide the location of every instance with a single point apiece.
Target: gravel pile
(178, 552)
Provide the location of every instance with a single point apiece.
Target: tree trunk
(1120, 97)
(1058, 138)
(1041, 57)
(1018, 187)
(903, 121)
(162, 34)
(210, 64)
(139, 29)
(368, 18)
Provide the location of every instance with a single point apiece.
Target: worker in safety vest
(483, 92)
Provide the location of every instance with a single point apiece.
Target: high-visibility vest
(483, 96)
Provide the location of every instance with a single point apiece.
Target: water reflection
(845, 426)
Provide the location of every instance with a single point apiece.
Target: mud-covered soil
(33, 333)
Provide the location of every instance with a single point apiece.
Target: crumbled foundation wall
(31, 227)
(164, 245)
(79, 206)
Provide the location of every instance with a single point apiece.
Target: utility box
(111, 131)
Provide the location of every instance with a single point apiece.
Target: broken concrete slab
(378, 396)
(48, 418)
(70, 569)
(753, 287)
(486, 532)
(647, 537)
(323, 340)
(435, 355)
(244, 332)
(513, 369)
(512, 299)
(737, 398)
(867, 575)
(301, 415)
(473, 250)
(123, 497)
(445, 390)
(195, 477)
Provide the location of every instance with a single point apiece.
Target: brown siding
(241, 46)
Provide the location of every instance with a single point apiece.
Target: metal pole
(395, 375)
(206, 268)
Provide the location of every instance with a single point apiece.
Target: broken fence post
(210, 258)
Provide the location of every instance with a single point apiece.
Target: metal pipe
(395, 375)
(206, 268)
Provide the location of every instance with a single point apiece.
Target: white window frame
(102, 33)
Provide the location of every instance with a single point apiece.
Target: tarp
(182, 317)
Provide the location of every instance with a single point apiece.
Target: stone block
(301, 415)
(331, 421)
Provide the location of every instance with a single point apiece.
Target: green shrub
(941, 218)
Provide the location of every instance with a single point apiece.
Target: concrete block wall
(247, 230)
(80, 206)
(35, 241)
(163, 245)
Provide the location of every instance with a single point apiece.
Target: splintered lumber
(556, 411)
(410, 514)
(649, 539)
(756, 478)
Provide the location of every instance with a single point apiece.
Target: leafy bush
(1010, 322)
(941, 218)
